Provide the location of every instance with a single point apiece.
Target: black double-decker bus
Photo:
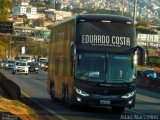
(92, 61)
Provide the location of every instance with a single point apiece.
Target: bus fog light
(130, 102)
(79, 99)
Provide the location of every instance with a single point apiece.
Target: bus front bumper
(105, 100)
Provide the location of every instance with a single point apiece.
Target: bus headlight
(128, 95)
(135, 59)
(81, 92)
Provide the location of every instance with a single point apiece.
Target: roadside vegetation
(5, 9)
(15, 109)
(11, 109)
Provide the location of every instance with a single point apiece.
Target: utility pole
(135, 11)
(122, 7)
(55, 4)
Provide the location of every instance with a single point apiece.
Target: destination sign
(105, 40)
(108, 37)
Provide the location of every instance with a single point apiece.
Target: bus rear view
(104, 58)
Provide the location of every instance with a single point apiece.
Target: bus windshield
(104, 68)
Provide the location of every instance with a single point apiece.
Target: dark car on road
(45, 66)
(147, 73)
(42, 64)
(2, 64)
(32, 67)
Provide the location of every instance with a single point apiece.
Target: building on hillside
(57, 15)
(21, 10)
(149, 40)
(29, 11)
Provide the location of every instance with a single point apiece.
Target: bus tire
(65, 96)
(118, 109)
(52, 92)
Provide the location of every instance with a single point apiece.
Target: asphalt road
(34, 90)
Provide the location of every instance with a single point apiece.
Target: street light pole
(135, 10)
(122, 7)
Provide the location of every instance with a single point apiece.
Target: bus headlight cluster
(81, 92)
(128, 95)
(135, 59)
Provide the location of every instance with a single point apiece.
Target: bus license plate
(106, 102)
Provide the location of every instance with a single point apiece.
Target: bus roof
(110, 40)
(96, 17)
(108, 17)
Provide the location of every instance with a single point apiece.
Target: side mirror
(73, 56)
(142, 55)
(73, 52)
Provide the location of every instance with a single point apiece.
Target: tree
(144, 27)
(5, 46)
(5, 8)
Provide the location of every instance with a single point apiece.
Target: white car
(20, 67)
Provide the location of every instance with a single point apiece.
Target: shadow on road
(76, 113)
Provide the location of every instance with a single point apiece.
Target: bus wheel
(65, 96)
(118, 109)
(52, 92)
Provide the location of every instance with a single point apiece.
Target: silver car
(9, 64)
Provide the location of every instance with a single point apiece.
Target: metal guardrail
(10, 87)
(30, 32)
(149, 83)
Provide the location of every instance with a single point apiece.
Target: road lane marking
(147, 99)
(47, 109)
(144, 100)
(56, 114)
(134, 111)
